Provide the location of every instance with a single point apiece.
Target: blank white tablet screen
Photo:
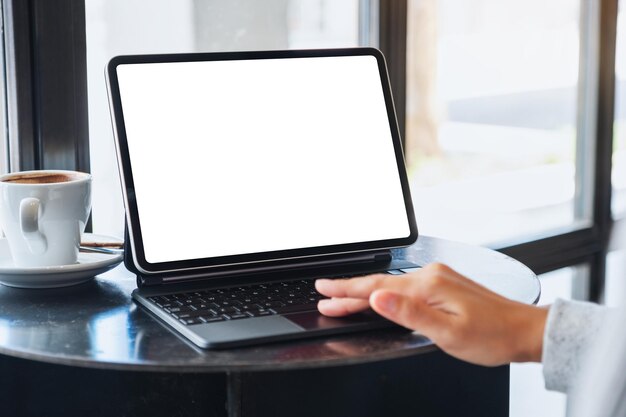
(238, 157)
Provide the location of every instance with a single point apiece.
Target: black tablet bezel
(130, 202)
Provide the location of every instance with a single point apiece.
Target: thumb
(409, 313)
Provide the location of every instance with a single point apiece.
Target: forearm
(528, 324)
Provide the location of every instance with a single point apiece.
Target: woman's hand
(463, 318)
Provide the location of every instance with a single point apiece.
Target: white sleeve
(571, 329)
(600, 389)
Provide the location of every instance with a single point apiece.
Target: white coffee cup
(43, 215)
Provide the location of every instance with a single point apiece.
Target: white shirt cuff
(571, 328)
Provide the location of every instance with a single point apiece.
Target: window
(55, 52)
(493, 88)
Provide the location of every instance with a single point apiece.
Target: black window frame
(47, 118)
(46, 84)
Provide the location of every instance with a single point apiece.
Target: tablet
(242, 158)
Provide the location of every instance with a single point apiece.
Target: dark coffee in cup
(41, 178)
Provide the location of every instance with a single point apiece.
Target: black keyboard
(209, 306)
(234, 303)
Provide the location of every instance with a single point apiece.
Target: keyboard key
(271, 304)
(201, 306)
(294, 308)
(236, 316)
(178, 309)
(188, 315)
(191, 321)
(227, 310)
(247, 307)
(211, 319)
(166, 305)
(259, 313)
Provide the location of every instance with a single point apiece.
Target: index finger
(360, 287)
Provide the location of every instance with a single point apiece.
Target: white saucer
(88, 266)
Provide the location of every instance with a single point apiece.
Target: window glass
(491, 122)
(528, 396)
(619, 134)
(116, 27)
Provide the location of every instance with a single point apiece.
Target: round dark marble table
(96, 324)
(92, 339)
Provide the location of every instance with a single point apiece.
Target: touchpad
(313, 320)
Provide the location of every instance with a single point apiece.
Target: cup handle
(29, 223)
